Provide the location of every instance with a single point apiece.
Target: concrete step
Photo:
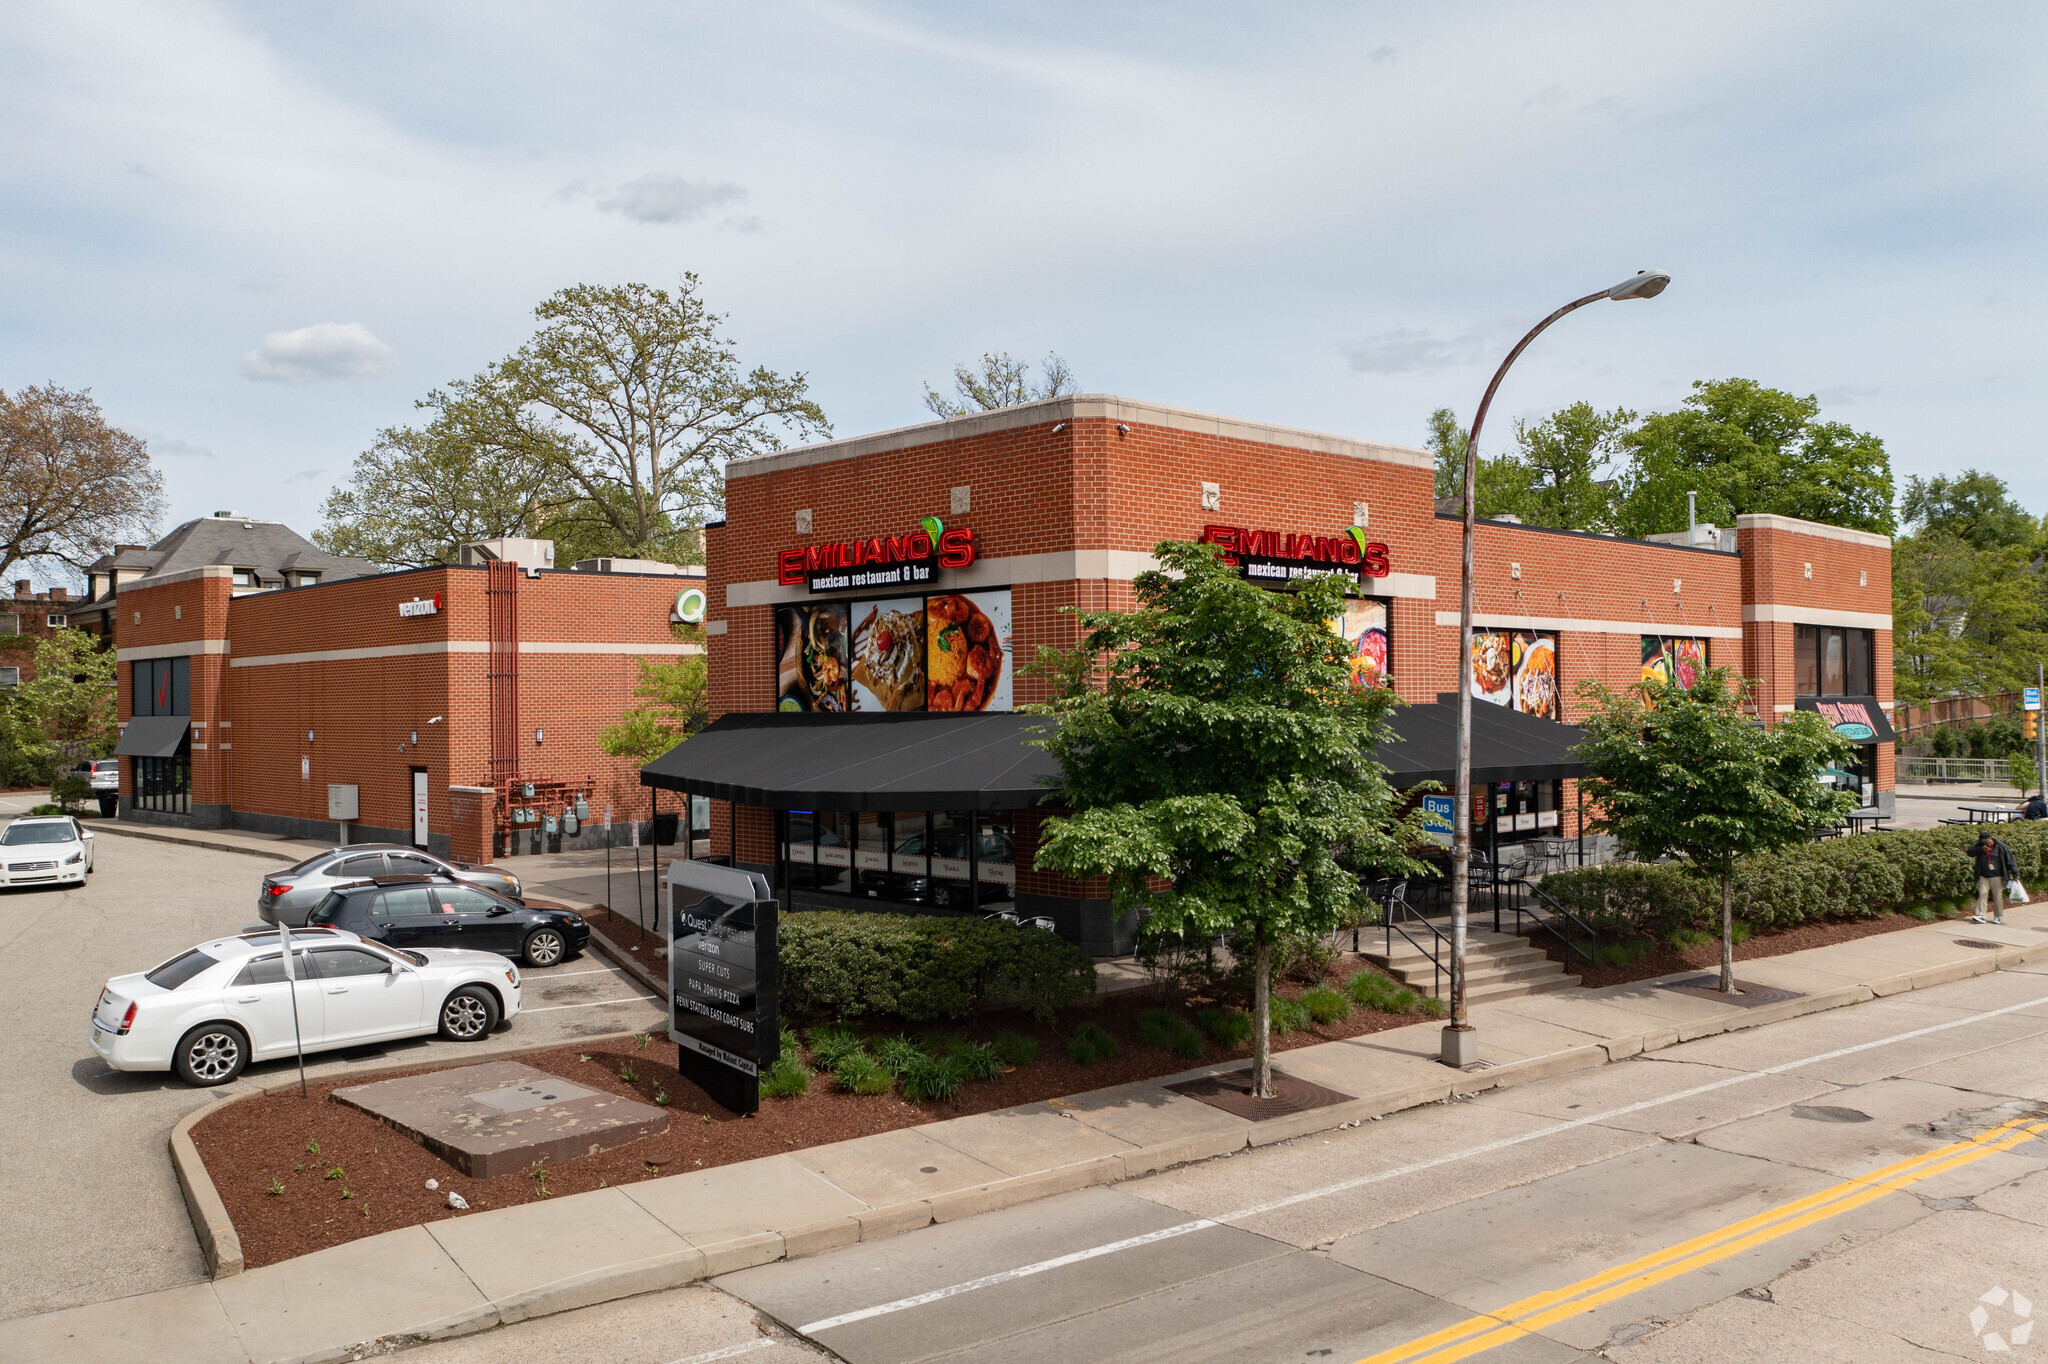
(1476, 993)
(1474, 960)
(1477, 974)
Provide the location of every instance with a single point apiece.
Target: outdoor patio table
(1981, 813)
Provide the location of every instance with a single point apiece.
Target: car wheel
(544, 947)
(211, 1054)
(468, 1014)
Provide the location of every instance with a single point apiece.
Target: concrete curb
(895, 1219)
(218, 1239)
(284, 856)
(626, 960)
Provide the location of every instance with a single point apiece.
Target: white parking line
(560, 975)
(729, 1352)
(1183, 1228)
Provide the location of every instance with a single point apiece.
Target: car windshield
(179, 969)
(414, 957)
(19, 834)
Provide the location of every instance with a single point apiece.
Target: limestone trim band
(1766, 612)
(465, 646)
(184, 649)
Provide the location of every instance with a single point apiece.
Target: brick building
(1058, 504)
(438, 694)
(27, 618)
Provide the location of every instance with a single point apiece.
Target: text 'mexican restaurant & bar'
(871, 600)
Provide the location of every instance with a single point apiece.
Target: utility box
(343, 803)
(724, 980)
(531, 555)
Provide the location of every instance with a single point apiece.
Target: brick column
(473, 819)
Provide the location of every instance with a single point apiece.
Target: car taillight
(127, 1022)
(277, 890)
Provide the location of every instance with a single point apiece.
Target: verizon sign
(421, 606)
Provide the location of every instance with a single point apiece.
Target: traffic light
(2031, 725)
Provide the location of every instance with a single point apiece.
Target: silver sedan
(288, 896)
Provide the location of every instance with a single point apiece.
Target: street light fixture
(1460, 1042)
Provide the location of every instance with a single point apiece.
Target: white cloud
(311, 355)
(669, 199)
(1408, 350)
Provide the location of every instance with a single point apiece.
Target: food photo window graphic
(1679, 661)
(943, 652)
(1364, 629)
(1517, 669)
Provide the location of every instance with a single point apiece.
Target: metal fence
(1991, 771)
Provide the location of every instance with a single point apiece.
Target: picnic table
(1869, 817)
(1981, 812)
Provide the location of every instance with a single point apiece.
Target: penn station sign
(1274, 558)
(881, 561)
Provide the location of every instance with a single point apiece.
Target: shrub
(980, 1061)
(46, 809)
(932, 1077)
(1303, 957)
(897, 1053)
(1015, 1049)
(1091, 1043)
(1383, 993)
(1227, 1028)
(859, 1073)
(1289, 1015)
(786, 1079)
(924, 968)
(787, 1049)
(1325, 1005)
(1844, 878)
(1174, 958)
(939, 1042)
(831, 1045)
(1168, 1031)
(1621, 953)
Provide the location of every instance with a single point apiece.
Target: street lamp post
(1460, 1042)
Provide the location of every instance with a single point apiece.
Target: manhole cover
(519, 1098)
(1979, 943)
(1828, 1113)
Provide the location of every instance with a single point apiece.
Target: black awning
(153, 736)
(855, 762)
(1854, 717)
(1507, 745)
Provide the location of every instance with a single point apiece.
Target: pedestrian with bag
(1995, 866)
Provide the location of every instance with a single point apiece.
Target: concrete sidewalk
(489, 1268)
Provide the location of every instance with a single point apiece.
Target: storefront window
(1858, 775)
(164, 784)
(1830, 660)
(1522, 810)
(161, 686)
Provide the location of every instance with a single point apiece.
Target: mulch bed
(382, 1181)
(1663, 959)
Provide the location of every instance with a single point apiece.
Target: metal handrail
(1439, 945)
(1547, 916)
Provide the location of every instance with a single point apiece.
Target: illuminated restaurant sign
(1279, 558)
(878, 561)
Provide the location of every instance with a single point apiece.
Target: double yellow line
(1532, 1314)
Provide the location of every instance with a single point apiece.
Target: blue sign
(2030, 699)
(1437, 815)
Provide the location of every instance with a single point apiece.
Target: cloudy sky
(259, 232)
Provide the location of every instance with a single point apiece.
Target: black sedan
(423, 911)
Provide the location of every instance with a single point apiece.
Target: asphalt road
(87, 1194)
(1850, 1186)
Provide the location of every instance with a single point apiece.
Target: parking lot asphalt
(87, 1191)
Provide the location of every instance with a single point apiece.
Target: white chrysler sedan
(43, 850)
(209, 1012)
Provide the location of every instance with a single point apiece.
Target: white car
(209, 1012)
(44, 850)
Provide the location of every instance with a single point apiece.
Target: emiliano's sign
(1274, 558)
(880, 561)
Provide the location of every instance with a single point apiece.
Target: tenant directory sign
(723, 980)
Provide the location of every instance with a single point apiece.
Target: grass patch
(1684, 938)
(832, 1044)
(1926, 914)
(1429, 1006)
(1089, 1044)
(1227, 1028)
(1325, 1005)
(1015, 1049)
(1375, 991)
(786, 1079)
(1168, 1031)
(898, 1053)
(932, 1077)
(979, 1061)
(1621, 953)
(859, 1073)
(1289, 1015)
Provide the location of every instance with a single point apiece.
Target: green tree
(68, 712)
(71, 486)
(610, 429)
(1000, 382)
(675, 702)
(1743, 448)
(1687, 772)
(1218, 763)
(1447, 442)
(1561, 471)
(1973, 507)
